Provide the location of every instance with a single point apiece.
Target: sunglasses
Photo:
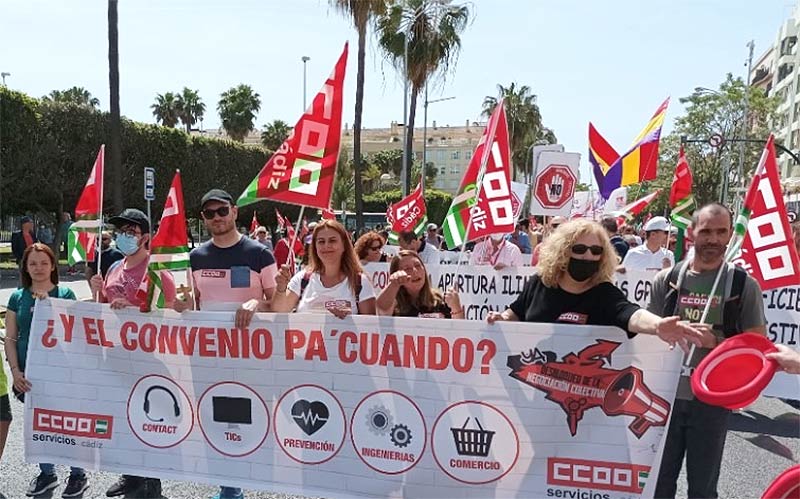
(222, 211)
(580, 249)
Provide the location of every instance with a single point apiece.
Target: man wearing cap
(432, 237)
(698, 430)
(262, 236)
(230, 272)
(119, 288)
(23, 238)
(652, 255)
(429, 255)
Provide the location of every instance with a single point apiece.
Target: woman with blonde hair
(409, 293)
(368, 248)
(574, 284)
(333, 281)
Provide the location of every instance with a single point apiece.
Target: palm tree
(166, 109)
(362, 11)
(78, 96)
(434, 30)
(237, 109)
(525, 126)
(275, 134)
(115, 124)
(190, 107)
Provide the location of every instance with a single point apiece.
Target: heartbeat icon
(310, 416)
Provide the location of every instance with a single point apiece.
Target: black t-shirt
(603, 305)
(109, 258)
(439, 310)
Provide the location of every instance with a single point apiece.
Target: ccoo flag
(302, 170)
(82, 234)
(408, 214)
(472, 216)
(169, 249)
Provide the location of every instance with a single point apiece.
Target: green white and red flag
(82, 235)
(169, 249)
(254, 223)
(475, 213)
(630, 210)
(762, 240)
(681, 199)
(408, 214)
(302, 170)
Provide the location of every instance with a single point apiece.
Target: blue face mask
(128, 245)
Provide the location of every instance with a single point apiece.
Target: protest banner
(365, 406)
(782, 308)
(482, 289)
(636, 285)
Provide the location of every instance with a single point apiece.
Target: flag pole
(99, 242)
(487, 151)
(294, 237)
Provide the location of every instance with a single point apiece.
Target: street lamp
(425, 137)
(305, 59)
(3, 75)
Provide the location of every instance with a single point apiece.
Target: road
(764, 439)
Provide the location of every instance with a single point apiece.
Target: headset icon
(147, 402)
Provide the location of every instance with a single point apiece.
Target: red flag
(303, 229)
(88, 215)
(408, 214)
(279, 219)
(328, 214)
(302, 170)
(768, 252)
(254, 223)
(492, 212)
(681, 181)
(169, 249)
(630, 210)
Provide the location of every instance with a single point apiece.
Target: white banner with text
(365, 406)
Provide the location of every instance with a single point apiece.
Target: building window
(468, 155)
(441, 170)
(455, 155)
(440, 155)
(454, 170)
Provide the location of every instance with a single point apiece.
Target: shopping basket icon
(472, 442)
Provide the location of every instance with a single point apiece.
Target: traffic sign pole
(149, 194)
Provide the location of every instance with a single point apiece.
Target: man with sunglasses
(118, 287)
(230, 272)
(652, 255)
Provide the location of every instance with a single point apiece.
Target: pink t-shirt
(124, 283)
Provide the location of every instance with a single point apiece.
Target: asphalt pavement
(763, 440)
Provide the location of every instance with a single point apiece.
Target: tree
(361, 11)
(275, 134)
(78, 96)
(115, 126)
(434, 42)
(190, 108)
(237, 109)
(525, 126)
(344, 184)
(708, 113)
(166, 110)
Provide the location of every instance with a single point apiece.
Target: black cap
(25, 220)
(216, 195)
(131, 216)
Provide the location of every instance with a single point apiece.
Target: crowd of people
(323, 274)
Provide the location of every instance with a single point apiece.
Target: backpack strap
(732, 306)
(674, 281)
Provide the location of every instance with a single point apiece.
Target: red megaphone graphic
(628, 395)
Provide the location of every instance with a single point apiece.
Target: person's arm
(366, 307)
(670, 329)
(170, 291)
(386, 299)
(453, 302)
(10, 346)
(505, 315)
(787, 359)
(284, 300)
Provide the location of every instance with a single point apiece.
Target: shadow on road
(785, 425)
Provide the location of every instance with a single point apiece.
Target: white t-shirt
(507, 253)
(641, 258)
(429, 255)
(315, 296)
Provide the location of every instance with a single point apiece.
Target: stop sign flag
(555, 183)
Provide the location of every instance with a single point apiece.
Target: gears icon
(379, 420)
(400, 435)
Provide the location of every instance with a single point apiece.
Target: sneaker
(125, 485)
(76, 486)
(42, 484)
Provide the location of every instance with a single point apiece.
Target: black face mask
(581, 270)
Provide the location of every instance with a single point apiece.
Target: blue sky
(609, 62)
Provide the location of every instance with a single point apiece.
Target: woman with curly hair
(368, 248)
(409, 293)
(333, 281)
(574, 284)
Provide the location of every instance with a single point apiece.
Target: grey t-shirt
(692, 299)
